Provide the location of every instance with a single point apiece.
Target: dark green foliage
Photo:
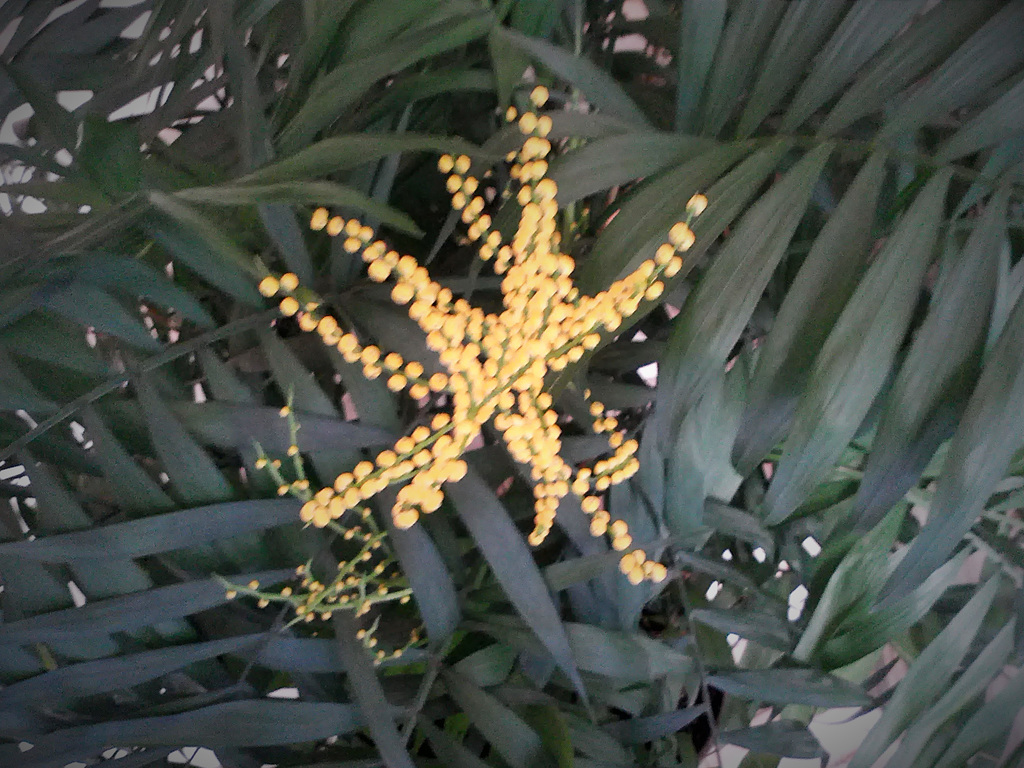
(840, 359)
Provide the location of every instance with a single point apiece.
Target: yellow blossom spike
(495, 364)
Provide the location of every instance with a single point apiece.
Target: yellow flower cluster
(496, 363)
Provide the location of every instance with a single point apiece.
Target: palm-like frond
(838, 366)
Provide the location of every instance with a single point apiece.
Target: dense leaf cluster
(825, 391)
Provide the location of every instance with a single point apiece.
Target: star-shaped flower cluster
(496, 363)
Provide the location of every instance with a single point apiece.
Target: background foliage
(835, 421)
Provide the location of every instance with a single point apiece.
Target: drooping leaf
(159, 533)
(989, 55)
(508, 556)
(135, 490)
(927, 677)
(968, 686)
(607, 162)
(803, 27)
(129, 611)
(641, 730)
(817, 296)
(596, 84)
(937, 373)
(977, 458)
(714, 316)
(786, 738)
(194, 476)
(92, 678)
(516, 742)
(250, 723)
(790, 686)
(747, 32)
(857, 355)
(865, 28)
(369, 695)
(927, 42)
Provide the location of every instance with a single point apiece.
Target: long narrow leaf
(857, 356)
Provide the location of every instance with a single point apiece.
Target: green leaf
(624, 656)
(509, 735)
(337, 90)
(996, 123)
(613, 160)
(159, 533)
(865, 28)
(134, 490)
(547, 721)
(790, 686)
(489, 666)
(17, 392)
(987, 57)
(450, 752)
(857, 356)
(859, 574)
(928, 676)
(508, 556)
(863, 633)
(238, 426)
(643, 730)
(986, 725)
(643, 222)
(53, 340)
(127, 612)
(92, 678)
(968, 687)
(801, 32)
(760, 626)
(369, 695)
(138, 280)
(314, 192)
(935, 379)
(338, 153)
(746, 34)
(928, 41)
(253, 723)
(508, 62)
(91, 306)
(597, 86)
(432, 584)
(977, 458)
(194, 476)
(819, 292)
(110, 156)
(713, 317)
(205, 249)
(786, 738)
(699, 32)
(699, 466)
